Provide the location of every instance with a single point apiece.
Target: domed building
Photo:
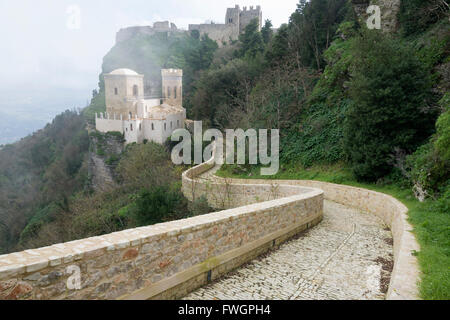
(138, 117)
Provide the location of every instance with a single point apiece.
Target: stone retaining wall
(168, 260)
(406, 275)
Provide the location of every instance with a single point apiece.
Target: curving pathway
(349, 256)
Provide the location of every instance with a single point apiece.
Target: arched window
(168, 92)
(178, 123)
(135, 90)
(116, 91)
(171, 125)
(140, 126)
(153, 126)
(131, 127)
(165, 126)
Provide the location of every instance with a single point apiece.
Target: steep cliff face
(104, 154)
(389, 12)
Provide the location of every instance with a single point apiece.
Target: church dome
(124, 72)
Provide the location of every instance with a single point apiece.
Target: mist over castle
(236, 19)
(70, 59)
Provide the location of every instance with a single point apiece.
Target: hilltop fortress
(161, 26)
(235, 22)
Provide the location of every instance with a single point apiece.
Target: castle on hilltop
(161, 26)
(141, 118)
(235, 22)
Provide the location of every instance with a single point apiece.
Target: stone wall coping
(406, 275)
(37, 259)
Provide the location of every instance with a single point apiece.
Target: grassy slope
(431, 223)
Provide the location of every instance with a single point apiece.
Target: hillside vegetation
(354, 106)
(46, 195)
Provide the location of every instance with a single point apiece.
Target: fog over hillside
(49, 64)
(22, 113)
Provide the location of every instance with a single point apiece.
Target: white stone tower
(123, 87)
(172, 87)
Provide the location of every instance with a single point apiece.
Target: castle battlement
(172, 72)
(236, 20)
(252, 8)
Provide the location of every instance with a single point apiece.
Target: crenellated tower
(172, 87)
(247, 15)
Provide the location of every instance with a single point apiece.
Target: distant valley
(23, 113)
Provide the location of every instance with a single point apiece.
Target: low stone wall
(169, 260)
(406, 275)
(163, 261)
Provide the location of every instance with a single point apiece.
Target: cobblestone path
(349, 256)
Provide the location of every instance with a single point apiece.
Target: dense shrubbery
(310, 32)
(390, 110)
(430, 164)
(417, 15)
(158, 204)
(148, 192)
(39, 174)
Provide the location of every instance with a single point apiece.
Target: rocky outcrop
(104, 154)
(389, 12)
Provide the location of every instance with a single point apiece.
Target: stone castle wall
(247, 15)
(130, 32)
(235, 22)
(221, 33)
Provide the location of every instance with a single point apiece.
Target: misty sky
(42, 59)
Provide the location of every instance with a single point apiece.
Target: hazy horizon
(48, 66)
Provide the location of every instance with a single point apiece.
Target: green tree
(279, 47)
(267, 32)
(417, 15)
(251, 40)
(156, 205)
(312, 28)
(390, 90)
(430, 164)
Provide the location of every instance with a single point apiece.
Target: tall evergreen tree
(390, 90)
(252, 42)
(267, 32)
